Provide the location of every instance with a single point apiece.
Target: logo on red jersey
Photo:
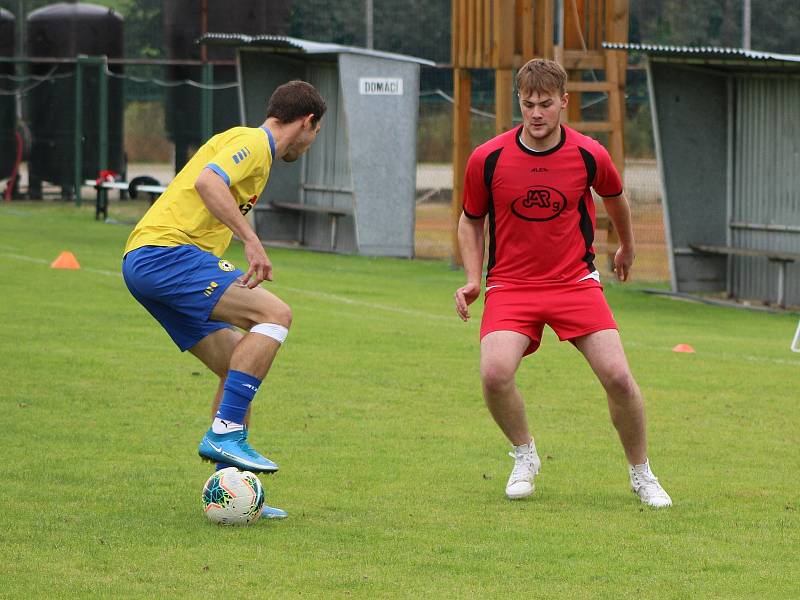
(540, 203)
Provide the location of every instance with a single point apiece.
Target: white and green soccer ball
(233, 497)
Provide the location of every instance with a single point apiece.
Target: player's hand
(260, 267)
(623, 259)
(465, 296)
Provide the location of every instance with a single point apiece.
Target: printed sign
(380, 86)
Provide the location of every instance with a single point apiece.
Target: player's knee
(220, 367)
(283, 315)
(620, 384)
(275, 318)
(277, 312)
(496, 377)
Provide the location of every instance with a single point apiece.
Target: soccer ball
(233, 497)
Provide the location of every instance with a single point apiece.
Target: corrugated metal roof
(710, 52)
(279, 42)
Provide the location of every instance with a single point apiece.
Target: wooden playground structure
(504, 34)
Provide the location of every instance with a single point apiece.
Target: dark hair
(541, 75)
(295, 100)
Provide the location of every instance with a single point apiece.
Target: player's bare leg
(603, 350)
(266, 319)
(245, 308)
(218, 398)
(501, 353)
(215, 351)
(604, 353)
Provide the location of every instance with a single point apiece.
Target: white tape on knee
(271, 330)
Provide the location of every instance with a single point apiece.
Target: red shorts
(571, 310)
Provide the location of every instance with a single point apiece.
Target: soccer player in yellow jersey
(173, 265)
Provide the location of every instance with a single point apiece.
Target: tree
(775, 24)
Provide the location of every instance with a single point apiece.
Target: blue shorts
(179, 286)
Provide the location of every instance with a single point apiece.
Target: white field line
(42, 261)
(313, 293)
(371, 305)
(405, 311)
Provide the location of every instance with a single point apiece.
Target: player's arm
(471, 245)
(220, 202)
(619, 211)
(608, 184)
(470, 231)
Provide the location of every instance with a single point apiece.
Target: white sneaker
(646, 486)
(526, 467)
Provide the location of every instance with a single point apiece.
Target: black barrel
(8, 142)
(65, 30)
(182, 27)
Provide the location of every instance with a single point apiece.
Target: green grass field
(391, 467)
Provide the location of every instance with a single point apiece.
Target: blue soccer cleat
(233, 449)
(268, 512)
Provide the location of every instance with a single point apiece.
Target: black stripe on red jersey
(527, 150)
(591, 171)
(489, 167)
(591, 166)
(492, 241)
(587, 230)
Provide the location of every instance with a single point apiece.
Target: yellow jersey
(242, 157)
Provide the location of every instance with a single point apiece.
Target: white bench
(132, 187)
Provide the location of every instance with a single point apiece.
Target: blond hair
(542, 76)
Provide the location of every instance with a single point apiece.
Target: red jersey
(540, 207)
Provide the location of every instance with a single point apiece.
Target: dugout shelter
(726, 125)
(354, 190)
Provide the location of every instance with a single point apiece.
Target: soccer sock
(238, 392)
(525, 448)
(221, 426)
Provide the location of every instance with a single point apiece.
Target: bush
(145, 133)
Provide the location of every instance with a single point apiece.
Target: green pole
(207, 102)
(102, 66)
(78, 133)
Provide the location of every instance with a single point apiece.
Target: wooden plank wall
(481, 31)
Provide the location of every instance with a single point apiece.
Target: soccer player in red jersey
(534, 185)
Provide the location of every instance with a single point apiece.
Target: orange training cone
(683, 348)
(65, 260)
